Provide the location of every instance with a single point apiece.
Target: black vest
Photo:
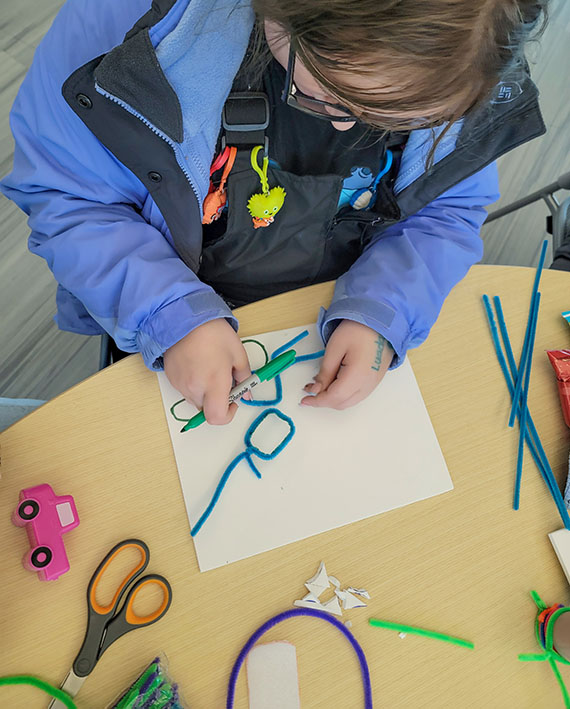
(310, 240)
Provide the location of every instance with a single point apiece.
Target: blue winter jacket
(108, 245)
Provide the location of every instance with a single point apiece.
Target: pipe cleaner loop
(253, 449)
(544, 629)
(247, 455)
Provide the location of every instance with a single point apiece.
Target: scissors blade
(71, 684)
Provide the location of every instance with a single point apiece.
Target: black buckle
(246, 127)
(261, 110)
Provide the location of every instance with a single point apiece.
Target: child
(379, 120)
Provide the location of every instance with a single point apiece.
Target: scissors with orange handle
(107, 623)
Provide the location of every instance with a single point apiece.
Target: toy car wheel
(40, 557)
(28, 509)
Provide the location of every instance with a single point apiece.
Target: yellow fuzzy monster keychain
(263, 207)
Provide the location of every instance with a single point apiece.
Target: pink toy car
(46, 517)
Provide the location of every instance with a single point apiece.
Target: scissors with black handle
(107, 623)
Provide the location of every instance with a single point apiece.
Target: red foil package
(560, 361)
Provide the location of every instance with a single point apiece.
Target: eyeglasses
(312, 106)
(292, 96)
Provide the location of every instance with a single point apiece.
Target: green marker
(268, 371)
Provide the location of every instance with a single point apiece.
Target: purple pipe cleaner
(293, 614)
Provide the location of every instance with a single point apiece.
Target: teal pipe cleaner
(278, 383)
(250, 449)
(247, 455)
(531, 434)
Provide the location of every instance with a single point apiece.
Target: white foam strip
(272, 677)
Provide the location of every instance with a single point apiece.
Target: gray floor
(38, 361)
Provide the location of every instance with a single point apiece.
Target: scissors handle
(136, 571)
(98, 615)
(126, 619)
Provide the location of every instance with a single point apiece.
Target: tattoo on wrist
(379, 349)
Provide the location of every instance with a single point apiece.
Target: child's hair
(436, 59)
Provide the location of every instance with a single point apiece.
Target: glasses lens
(314, 106)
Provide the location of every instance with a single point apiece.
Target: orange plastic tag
(216, 201)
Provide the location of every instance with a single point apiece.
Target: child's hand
(356, 358)
(202, 367)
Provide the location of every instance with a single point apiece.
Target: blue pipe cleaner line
(536, 446)
(524, 399)
(278, 383)
(527, 348)
(538, 453)
(312, 355)
(532, 438)
(503, 364)
(250, 450)
(288, 345)
(542, 459)
(268, 402)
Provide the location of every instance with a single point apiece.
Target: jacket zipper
(174, 146)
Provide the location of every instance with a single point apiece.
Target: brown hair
(437, 59)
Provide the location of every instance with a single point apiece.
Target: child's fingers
(342, 388)
(332, 398)
(216, 402)
(241, 367)
(242, 371)
(232, 411)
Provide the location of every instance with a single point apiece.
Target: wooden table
(461, 563)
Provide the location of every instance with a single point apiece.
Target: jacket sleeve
(398, 285)
(84, 212)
